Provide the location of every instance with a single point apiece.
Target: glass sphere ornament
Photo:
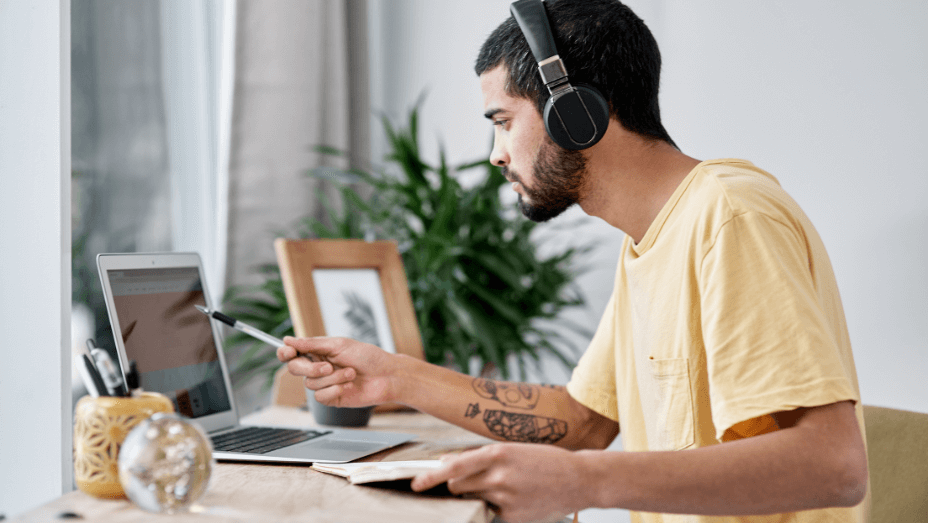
(165, 463)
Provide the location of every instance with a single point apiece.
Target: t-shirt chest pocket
(675, 428)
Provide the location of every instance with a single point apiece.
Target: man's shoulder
(731, 187)
(738, 180)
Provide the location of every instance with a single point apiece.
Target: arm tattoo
(515, 395)
(524, 428)
(472, 410)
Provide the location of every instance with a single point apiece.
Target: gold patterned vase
(100, 426)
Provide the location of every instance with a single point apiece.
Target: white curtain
(197, 51)
(301, 81)
(151, 91)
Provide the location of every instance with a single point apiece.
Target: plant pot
(338, 416)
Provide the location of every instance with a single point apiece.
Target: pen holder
(100, 426)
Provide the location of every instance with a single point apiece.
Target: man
(723, 353)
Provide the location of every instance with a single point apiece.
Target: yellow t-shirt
(725, 312)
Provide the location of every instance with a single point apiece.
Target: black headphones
(575, 117)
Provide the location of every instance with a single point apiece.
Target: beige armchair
(897, 448)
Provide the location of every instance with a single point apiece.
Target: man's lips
(514, 180)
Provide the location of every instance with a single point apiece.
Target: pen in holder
(100, 426)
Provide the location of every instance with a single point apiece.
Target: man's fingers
(320, 347)
(286, 353)
(304, 367)
(331, 395)
(339, 377)
(430, 479)
(462, 466)
(478, 483)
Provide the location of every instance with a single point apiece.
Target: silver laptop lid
(150, 299)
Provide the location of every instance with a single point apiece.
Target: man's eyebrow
(491, 113)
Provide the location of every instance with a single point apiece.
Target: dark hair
(603, 44)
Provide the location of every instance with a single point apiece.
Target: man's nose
(499, 156)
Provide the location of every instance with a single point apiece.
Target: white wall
(828, 96)
(35, 256)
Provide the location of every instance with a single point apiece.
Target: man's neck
(631, 179)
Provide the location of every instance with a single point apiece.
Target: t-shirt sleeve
(768, 343)
(593, 380)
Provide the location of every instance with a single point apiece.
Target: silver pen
(247, 329)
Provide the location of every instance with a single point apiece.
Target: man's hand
(524, 482)
(349, 373)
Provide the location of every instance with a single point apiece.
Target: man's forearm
(803, 467)
(515, 412)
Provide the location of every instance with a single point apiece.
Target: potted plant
(480, 289)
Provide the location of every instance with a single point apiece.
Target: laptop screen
(170, 340)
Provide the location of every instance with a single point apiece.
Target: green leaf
(502, 269)
(329, 150)
(509, 311)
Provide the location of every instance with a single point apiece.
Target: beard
(559, 177)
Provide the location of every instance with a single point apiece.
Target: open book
(377, 471)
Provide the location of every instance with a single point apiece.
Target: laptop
(150, 300)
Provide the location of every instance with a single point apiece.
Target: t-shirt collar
(655, 228)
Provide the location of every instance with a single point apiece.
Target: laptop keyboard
(261, 440)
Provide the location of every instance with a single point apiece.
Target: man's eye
(501, 123)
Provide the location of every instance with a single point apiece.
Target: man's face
(547, 178)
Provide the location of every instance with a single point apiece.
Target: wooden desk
(246, 492)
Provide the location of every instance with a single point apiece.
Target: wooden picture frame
(298, 259)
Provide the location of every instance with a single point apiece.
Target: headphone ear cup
(577, 119)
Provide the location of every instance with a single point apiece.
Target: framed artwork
(349, 288)
(352, 305)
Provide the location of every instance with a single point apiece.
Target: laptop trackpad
(335, 450)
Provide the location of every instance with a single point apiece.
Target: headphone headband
(532, 18)
(575, 117)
